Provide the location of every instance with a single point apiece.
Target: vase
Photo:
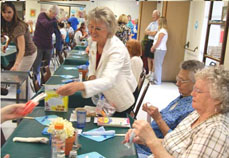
(68, 144)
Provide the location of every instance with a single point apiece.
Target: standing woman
(19, 33)
(123, 32)
(159, 49)
(109, 69)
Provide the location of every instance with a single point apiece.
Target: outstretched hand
(10, 112)
(70, 88)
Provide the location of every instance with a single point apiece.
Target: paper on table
(98, 138)
(91, 155)
(67, 76)
(70, 68)
(31, 139)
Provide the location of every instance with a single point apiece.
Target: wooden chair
(36, 84)
(45, 74)
(135, 113)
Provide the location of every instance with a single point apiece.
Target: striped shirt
(208, 139)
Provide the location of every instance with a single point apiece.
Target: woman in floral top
(123, 32)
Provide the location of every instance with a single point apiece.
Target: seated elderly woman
(169, 117)
(109, 69)
(204, 132)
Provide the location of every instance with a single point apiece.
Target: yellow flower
(68, 128)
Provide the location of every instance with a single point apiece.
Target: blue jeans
(42, 54)
(158, 61)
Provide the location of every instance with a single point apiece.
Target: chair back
(138, 90)
(141, 80)
(141, 100)
(45, 74)
(36, 84)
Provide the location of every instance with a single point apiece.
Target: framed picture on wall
(32, 12)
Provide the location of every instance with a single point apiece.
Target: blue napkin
(99, 134)
(45, 120)
(82, 67)
(90, 155)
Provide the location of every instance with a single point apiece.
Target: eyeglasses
(197, 90)
(97, 29)
(178, 79)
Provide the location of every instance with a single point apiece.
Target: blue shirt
(74, 22)
(171, 117)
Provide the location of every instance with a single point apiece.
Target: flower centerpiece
(69, 132)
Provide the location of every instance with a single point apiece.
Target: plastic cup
(81, 118)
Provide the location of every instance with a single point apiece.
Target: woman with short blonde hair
(109, 69)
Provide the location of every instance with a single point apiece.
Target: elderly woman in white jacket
(109, 70)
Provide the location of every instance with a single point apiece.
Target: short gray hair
(54, 9)
(218, 81)
(104, 14)
(192, 66)
(156, 12)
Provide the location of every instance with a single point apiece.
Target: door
(177, 14)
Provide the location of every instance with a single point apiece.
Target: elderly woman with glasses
(203, 133)
(168, 118)
(109, 69)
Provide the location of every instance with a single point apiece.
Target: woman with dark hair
(18, 32)
(80, 34)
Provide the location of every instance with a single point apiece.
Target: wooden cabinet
(216, 34)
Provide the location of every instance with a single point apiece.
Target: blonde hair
(122, 19)
(104, 14)
(134, 48)
(162, 23)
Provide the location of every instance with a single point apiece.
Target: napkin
(99, 134)
(46, 120)
(31, 139)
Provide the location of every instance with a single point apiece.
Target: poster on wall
(32, 12)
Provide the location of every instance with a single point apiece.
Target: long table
(110, 148)
(76, 59)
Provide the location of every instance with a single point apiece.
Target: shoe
(148, 75)
(150, 78)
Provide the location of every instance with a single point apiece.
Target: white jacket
(114, 77)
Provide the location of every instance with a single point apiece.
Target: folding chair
(140, 100)
(45, 74)
(139, 87)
